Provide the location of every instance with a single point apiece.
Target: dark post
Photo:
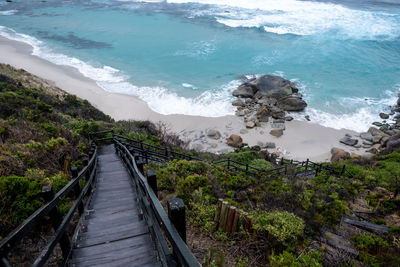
(229, 163)
(56, 219)
(152, 180)
(77, 188)
(166, 152)
(176, 214)
(85, 162)
(247, 167)
(306, 164)
(146, 157)
(282, 161)
(343, 169)
(139, 164)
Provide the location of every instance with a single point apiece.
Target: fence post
(152, 181)
(56, 219)
(282, 161)
(139, 164)
(247, 167)
(343, 169)
(77, 188)
(176, 214)
(229, 163)
(85, 163)
(307, 164)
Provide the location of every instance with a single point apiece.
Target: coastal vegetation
(295, 220)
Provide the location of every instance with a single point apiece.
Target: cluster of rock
(386, 137)
(265, 97)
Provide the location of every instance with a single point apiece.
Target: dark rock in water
(292, 103)
(393, 142)
(271, 85)
(384, 116)
(377, 123)
(245, 90)
(276, 132)
(348, 141)
(288, 118)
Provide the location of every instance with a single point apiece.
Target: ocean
(186, 57)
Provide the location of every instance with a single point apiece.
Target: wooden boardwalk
(112, 233)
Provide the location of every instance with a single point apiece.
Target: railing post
(152, 181)
(307, 164)
(247, 167)
(343, 169)
(281, 161)
(77, 188)
(85, 162)
(229, 163)
(4, 262)
(176, 214)
(139, 164)
(56, 219)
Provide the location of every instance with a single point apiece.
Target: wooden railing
(51, 209)
(172, 226)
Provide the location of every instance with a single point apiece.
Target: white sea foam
(302, 17)
(8, 12)
(210, 103)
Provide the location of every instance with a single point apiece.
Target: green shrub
(284, 226)
(186, 186)
(287, 259)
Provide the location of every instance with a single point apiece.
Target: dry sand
(301, 140)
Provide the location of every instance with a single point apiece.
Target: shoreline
(301, 140)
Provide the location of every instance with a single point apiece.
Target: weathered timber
(218, 212)
(235, 225)
(231, 217)
(224, 215)
(368, 226)
(112, 233)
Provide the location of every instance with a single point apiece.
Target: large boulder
(274, 86)
(393, 142)
(245, 90)
(267, 86)
(234, 140)
(292, 103)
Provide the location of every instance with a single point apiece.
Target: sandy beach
(301, 140)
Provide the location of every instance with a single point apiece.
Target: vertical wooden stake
(236, 221)
(218, 212)
(223, 216)
(231, 217)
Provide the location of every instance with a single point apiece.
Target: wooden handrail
(180, 249)
(30, 223)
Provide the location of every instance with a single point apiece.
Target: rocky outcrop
(393, 142)
(267, 96)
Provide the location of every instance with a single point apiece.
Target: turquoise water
(187, 57)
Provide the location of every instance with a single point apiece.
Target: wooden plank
(368, 226)
(112, 233)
